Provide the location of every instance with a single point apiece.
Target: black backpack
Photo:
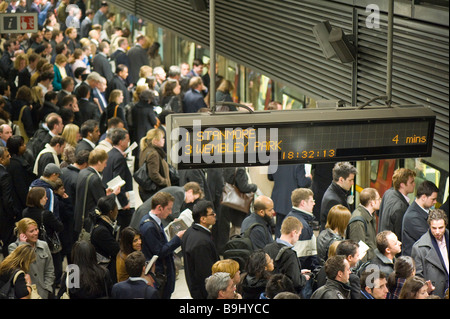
(240, 247)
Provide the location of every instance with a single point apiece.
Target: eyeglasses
(212, 214)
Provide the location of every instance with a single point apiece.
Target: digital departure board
(298, 136)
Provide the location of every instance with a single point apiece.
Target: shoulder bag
(232, 197)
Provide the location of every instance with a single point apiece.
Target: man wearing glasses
(199, 251)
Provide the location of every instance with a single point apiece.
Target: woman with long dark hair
(94, 280)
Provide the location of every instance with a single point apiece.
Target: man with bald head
(261, 233)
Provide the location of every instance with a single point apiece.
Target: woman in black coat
(23, 100)
(104, 234)
(238, 177)
(113, 110)
(144, 118)
(21, 170)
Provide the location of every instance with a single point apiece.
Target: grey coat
(42, 271)
(392, 209)
(428, 262)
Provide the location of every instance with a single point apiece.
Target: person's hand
(27, 279)
(430, 286)
(181, 233)
(23, 237)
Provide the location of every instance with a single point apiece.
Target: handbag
(19, 123)
(85, 234)
(53, 242)
(141, 177)
(232, 197)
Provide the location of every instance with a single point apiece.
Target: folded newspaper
(183, 222)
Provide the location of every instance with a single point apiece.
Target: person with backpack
(285, 258)
(15, 281)
(362, 224)
(261, 235)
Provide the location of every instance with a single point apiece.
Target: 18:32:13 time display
(308, 154)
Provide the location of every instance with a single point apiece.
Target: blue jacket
(135, 288)
(154, 242)
(193, 101)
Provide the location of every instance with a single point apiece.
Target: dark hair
(88, 127)
(347, 248)
(427, 188)
(343, 169)
(82, 157)
(367, 273)
(118, 135)
(34, 196)
(404, 267)
(333, 265)
(50, 95)
(278, 283)
(92, 275)
(14, 143)
(200, 209)
(57, 140)
(106, 204)
(126, 239)
(134, 263)
(256, 265)
(83, 91)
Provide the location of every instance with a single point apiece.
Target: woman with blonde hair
(42, 272)
(71, 134)
(229, 266)
(153, 155)
(337, 221)
(17, 265)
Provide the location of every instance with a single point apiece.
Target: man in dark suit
(182, 195)
(86, 24)
(193, 99)
(89, 190)
(139, 56)
(88, 110)
(69, 177)
(199, 251)
(120, 56)
(415, 219)
(117, 166)
(118, 82)
(343, 179)
(90, 133)
(286, 179)
(8, 215)
(154, 240)
(101, 64)
(136, 286)
(67, 87)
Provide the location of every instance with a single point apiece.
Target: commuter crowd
(83, 105)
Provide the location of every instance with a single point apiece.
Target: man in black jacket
(8, 215)
(261, 234)
(285, 258)
(414, 223)
(117, 166)
(343, 179)
(199, 251)
(338, 272)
